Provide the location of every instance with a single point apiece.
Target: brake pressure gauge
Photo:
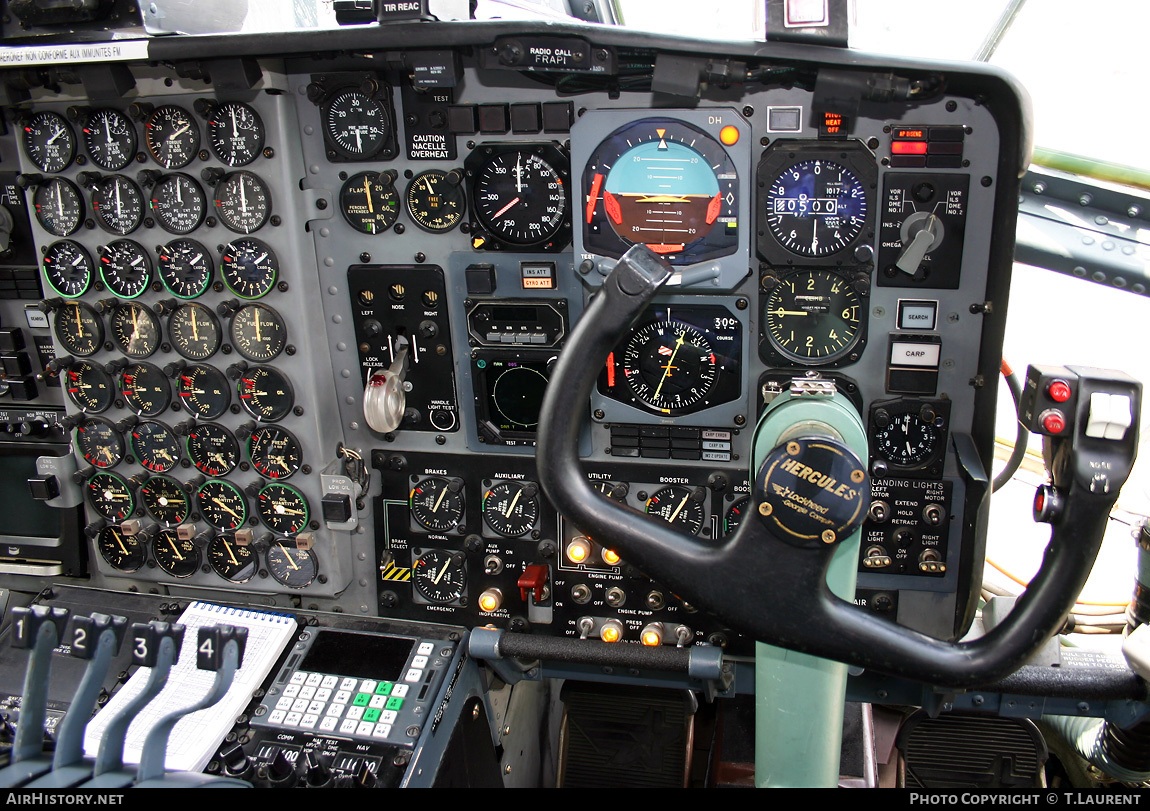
(59, 206)
(145, 388)
(194, 331)
(436, 503)
(439, 576)
(68, 268)
(511, 508)
(185, 267)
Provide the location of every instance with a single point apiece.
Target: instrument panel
(301, 324)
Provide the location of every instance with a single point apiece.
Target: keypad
(360, 708)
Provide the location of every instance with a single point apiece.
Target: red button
(907, 148)
(1054, 422)
(1058, 391)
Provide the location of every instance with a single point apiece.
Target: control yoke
(771, 584)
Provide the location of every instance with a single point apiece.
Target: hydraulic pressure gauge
(436, 200)
(232, 562)
(145, 388)
(511, 508)
(265, 393)
(165, 500)
(222, 504)
(213, 449)
(49, 141)
(282, 508)
(110, 138)
(812, 317)
(155, 446)
(274, 452)
(734, 515)
(178, 203)
(369, 202)
(68, 268)
(185, 267)
(242, 202)
(249, 268)
(440, 576)
(79, 328)
(176, 557)
(110, 496)
(172, 136)
(678, 506)
(135, 331)
(236, 133)
(125, 268)
(291, 566)
(89, 387)
(124, 553)
(436, 503)
(194, 331)
(356, 126)
(59, 206)
(204, 391)
(258, 332)
(118, 204)
(99, 443)
(519, 196)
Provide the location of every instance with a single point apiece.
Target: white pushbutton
(1121, 417)
(1110, 415)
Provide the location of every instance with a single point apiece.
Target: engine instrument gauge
(125, 268)
(242, 202)
(110, 138)
(59, 206)
(155, 446)
(511, 508)
(291, 566)
(185, 267)
(118, 204)
(356, 126)
(165, 500)
(258, 332)
(282, 508)
(369, 202)
(665, 183)
(818, 201)
(222, 504)
(204, 391)
(68, 268)
(135, 331)
(172, 136)
(99, 443)
(436, 503)
(110, 496)
(235, 133)
(79, 328)
(194, 331)
(49, 141)
(906, 439)
(178, 203)
(679, 507)
(213, 449)
(734, 515)
(249, 267)
(89, 387)
(519, 196)
(145, 388)
(265, 393)
(440, 576)
(436, 200)
(274, 452)
(176, 557)
(812, 317)
(232, 562)
(124, 553)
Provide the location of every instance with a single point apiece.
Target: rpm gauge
(664, 183)
(812, 317)
(178, 203)
(118, 204)
(59, 206)
(519, 196)
(110, 138)
(242, 202)
(236, 133)
(185, 267)
(78, 328)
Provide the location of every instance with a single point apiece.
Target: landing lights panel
(669, 183)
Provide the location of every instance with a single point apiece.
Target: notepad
(197, 736)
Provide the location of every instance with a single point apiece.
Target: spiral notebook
(197, 736)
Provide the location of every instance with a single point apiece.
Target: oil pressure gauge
(274, 452)
(99, 443)
(155, 446)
